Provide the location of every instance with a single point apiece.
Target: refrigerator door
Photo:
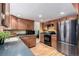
(68, 28)
(71, 32)
(62, 31)
(73, 39)
(77, 33)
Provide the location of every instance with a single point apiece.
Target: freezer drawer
(60, 47)
(66, 49)
(73, 50)
(78, 51)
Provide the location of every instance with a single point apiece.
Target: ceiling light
(39, 15)
(19, 15)
(62, 13)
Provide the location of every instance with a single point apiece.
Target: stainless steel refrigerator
(67, 35)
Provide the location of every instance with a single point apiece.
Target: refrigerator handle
(64, 30)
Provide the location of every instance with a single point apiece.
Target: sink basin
(12, 39)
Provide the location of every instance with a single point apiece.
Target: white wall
(36, 26)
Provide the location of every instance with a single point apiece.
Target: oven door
(47, 40)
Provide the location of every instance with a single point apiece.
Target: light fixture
(19, 15)
(62, 13)
(40, 15)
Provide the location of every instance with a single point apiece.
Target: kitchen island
(15, 48)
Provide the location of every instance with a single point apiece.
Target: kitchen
(36, 28)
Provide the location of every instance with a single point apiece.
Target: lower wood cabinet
(54, 41)
(29, 40)
(41, 38)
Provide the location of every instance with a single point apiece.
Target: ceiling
(41, 11)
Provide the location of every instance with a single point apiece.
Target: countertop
(16, 48)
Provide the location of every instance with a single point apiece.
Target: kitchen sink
(12, 39)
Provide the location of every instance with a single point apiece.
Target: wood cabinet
(54, 41)
(4, 14)
(49, 26)
(21, 24)
(29, 40)
(13, 22)
(25, 24)
(42, 38)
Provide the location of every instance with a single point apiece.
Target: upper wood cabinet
(13, 22)
(25, 24)
(49, 26)
(21, 24)
(5, 12)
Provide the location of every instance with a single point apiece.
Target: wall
(36, 27)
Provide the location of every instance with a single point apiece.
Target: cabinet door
(22, 24)
(30, 25)
(42, 38)
(13, 22)
(54, 41)
(25, 24)
(26, 41)
(32, 41)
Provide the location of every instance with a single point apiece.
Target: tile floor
(44, 50)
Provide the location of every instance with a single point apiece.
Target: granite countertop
(16, 48)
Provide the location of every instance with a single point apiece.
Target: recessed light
(62, 13)
(19, 15)
(40, 15)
